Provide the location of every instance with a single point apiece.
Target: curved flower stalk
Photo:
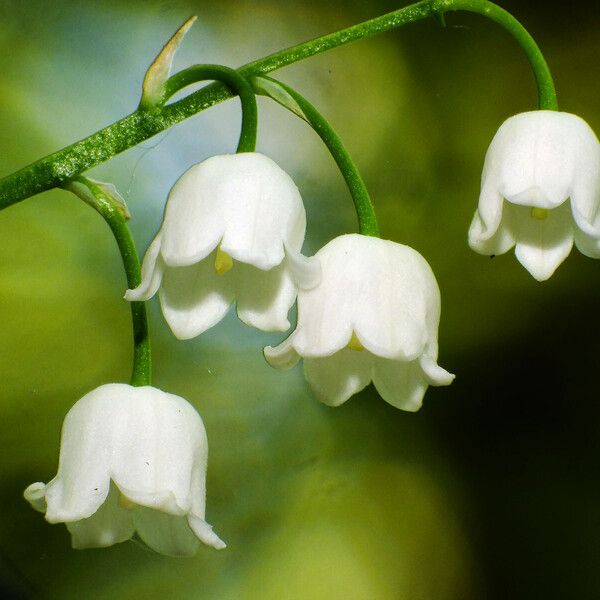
(374, 317)
(60, 167)
(540, 191)
(132, 459)
(233, 229)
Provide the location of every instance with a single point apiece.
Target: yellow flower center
(539, 213)
(223, 262)
(354, 343)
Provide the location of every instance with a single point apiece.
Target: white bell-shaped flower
(233, 229)
(540, 190)
(132, 459)
(373, 317)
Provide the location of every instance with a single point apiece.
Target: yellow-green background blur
(492, 490)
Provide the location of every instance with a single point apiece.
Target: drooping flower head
(373, 317)
(540, 191)
(132, 459)
(233, 229)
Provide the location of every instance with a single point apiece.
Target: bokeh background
(491, 491)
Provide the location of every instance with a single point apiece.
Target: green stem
(545, 84)
(296, 103)
(93, 194)
(57, 169)
(236, 82)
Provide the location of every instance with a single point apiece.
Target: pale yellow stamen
(354, 343)
(223, 262)
(539, 213)
(125, 502)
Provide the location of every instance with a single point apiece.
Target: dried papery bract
(160, 69)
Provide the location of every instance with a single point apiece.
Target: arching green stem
(546, 91)
(96, 195)
(236, 82)
(296, 103)
(59, 168)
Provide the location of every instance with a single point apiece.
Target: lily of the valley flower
(132, 459)
(233, 229)
(373, 317)
(546, 165)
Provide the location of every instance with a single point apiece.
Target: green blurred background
(492, 490)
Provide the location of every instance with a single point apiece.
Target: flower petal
(326, 313)
(283, 356)
(263, 210)
(110, 524)
(533, 197)
(83, 479)
(156, 444)
(490, 242)
(205, 533)
(165, 533)
(587, 228)
(335, 378)
(306, 271)
(585, 192)
(400, 383)
(401, 290)
(587, 245)
(264, 298)
(488, 214)
(195, 298)
(35, 494)
(533, 155)
(380, 290)
(152, 272)
(243, 201)
(585, 195)
(542, 244)
(194, 222)
(405, 342)
(433, 373)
